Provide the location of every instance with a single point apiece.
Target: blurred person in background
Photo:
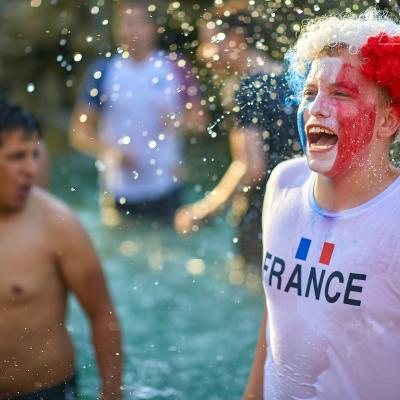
(133, 110)
(261, 131)
(57, 258)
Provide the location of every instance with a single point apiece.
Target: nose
(31, 167)
(319, 107)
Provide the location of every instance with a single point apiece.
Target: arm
(83, 133)
(81, 270)
(255, 383)
(247, 167)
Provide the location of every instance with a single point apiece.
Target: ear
(389, 123)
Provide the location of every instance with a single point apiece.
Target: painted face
(337, 115)
(18, 169)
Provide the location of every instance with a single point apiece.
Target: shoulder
(289, 174)
(55, 214)
(98, 66)
(92, 88)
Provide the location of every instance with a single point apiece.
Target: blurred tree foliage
(46, 45)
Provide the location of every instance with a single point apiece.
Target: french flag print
(304, 248)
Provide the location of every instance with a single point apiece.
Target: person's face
(134, 28)
(337, 115)
(18, 169)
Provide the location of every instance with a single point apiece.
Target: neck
(354, 188)
(139, 55)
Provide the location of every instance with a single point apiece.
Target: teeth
(317, 129)
(319, 147)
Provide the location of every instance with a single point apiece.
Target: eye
(341, 93)
(309, 93)
(17, 156)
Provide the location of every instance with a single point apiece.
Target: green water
(185, 336)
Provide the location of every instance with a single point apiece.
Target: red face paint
(339, 111)
(355, 118)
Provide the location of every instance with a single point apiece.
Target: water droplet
(152, 144)
(135, 174)
(78, 57)
(30, 87)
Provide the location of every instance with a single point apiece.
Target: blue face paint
(300, 113)
(300, 128)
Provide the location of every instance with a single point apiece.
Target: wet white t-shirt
(141, 104)
(332, 284)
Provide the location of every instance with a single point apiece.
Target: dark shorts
(250, 229)
(163, 207)
(62, 391)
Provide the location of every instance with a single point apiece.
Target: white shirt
(332, 284)
(143, 104)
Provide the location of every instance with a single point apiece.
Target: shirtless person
(56, 257)
(331, 224)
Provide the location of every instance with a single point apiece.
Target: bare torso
(35, 350)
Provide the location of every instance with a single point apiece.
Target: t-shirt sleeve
(91, 92)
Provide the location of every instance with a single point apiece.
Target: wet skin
(45, 253)
(35, 350)
(339, 100)
(32, 297)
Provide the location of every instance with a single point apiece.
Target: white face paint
(319, 115)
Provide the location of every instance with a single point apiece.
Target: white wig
(330, 31)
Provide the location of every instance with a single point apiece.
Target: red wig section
(381, 63)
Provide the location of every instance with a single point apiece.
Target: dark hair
(14, 117)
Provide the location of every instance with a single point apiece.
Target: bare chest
(27, 267)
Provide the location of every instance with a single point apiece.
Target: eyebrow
(345, 85)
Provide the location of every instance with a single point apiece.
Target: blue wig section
(296, 82)
(295, 79)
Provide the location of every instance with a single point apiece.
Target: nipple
(16, 289)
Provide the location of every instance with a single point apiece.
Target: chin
(322, 162)
(320, 166)
(18, 204)
(17, 207)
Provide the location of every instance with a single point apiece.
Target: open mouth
(24, 190)
(320, 138)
